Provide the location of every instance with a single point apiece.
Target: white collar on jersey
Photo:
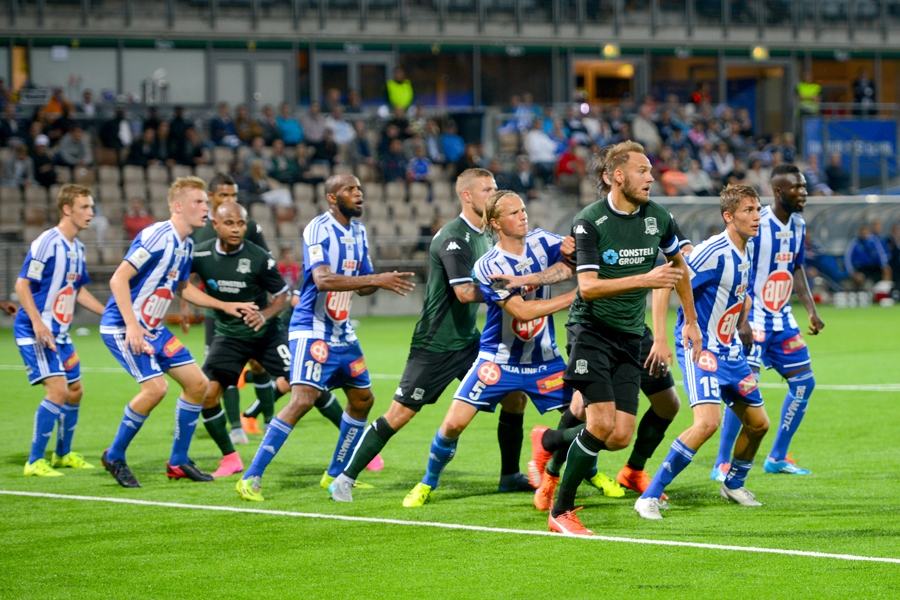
(622, 213)
(469, 223)
(222, 252)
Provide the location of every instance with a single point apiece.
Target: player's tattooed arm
(555, 273)
(801, 286)
(467, 292)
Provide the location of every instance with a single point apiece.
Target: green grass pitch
(69, 548)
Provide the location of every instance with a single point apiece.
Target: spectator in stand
(5, 96)
(723, 160)
(864, 94)
(354, 103)
(570, 168)
(809, 94)
(359, 151)
(222, 129)
(759, 177)
(289, 128)
(56, 105)
(677, 140)
(674, 180)
(738, 175)
(144, 152)
(332, 99)
(419, 166)
(257, 152)
(152, 120)
(815, 179)
(399, 91)
(165, 145)
(644, 130)
(521, 180)
(74, 149)
(115, 135)
(893, 241)
(44, 172)
(432, 140)
(282, 168)
(177, 131)
(314, 124)
(393, 163)
(835, 175)
(192, 152)
(399, 120)
(18, 169)
(40, 116)
(818, 263)
(877, 233)
(575, 124)
(452, 144)
(12, 131)
(289, 268)
(471, 158)
(326, 151)
(87, 107)
(698, 180)
(865, 258)
(246, 126)
(35, 129)
(697, 135)
(268, 124)
(340, 126)
(701, 94)
(59, 127)
(541, 150)
(137, 218)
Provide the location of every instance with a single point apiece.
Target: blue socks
(679, 457)
(792, 412)
(442, 452)
(44, 419)
(186, 417)
(348, 440)
(128, 428)
(738, 473)
(68, 421)
(276, 434)
(731, 427)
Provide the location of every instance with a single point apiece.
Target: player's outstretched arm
(256, 320)
(690, 333)
(87, 300)
(594, 288)
(8, 307)
(801, 286)
(660, 356)
(135, 335)
(397, 282)
(42, 333)
(192, 294)
(555, 273)
(527, 310)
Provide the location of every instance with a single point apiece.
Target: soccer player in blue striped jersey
(51, 281)
(325, 353)
(720, 275)
(518, 347)
(776, 338)
(157, 267)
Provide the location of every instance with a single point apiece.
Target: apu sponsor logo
(154, 308)
(777, 290)
(337, 305)
(708, 362)
(728, 323)
(792, 345)
(489, 373)
(759, 336)
(319, 351)
(64, 305)
(528, 330)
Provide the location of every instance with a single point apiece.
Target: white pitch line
(285, 513)
(865, 387)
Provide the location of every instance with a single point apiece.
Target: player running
(446, 339)
(720, 275)
(236, 269)
(51, 281)
(325, 353)
(777, 340)
(518, 346)
(157, 267)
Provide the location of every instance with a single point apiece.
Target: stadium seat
(366, 173)
(109, 193)
(401, 211)
(36, 195)
(261, 213)
(181, 171)
(133, 174)
(424, 210)
(205, 172)
(109, 174)
(158, 174)
(53, 193)
(84, 176)
(320, 170)
(135, 189)
(418, 191)
(31, 233)
(268, 230)
(159, 209)
(290, 230)
(35, 213)
(375, 210)
(158, 192)
(222, 155)
(115, 212)
(441, 190)
(63, 174)
(342, 169)
(395, 191)
(10, 194)
(304, 192)
(372, 191)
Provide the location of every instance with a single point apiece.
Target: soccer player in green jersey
(235, 269)
(445, 341)
(617, 239)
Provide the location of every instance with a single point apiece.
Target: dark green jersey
(248, 274)
(446, 324)
(616, 245)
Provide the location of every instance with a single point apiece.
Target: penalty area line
(456, 526)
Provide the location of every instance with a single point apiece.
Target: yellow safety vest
(400, 94)
(808, 91)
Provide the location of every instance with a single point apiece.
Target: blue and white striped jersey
(56, 270)
(505, 339)
(779, 250)
(326, 315)
(162, 260)
(720, 274)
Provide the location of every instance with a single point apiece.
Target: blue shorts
(487, 383)
(41, 363)
(784, 351)
(326, 366)
(168, 353)
(716, 378)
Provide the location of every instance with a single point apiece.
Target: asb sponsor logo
(337, 305)
(64, 305)
(319, 351)
(154, 309)
(784, 257)
(348, 265)
(358, 366)
(489, 373)
(777, 290)
(792, 345)
(747, 385)
(71, 362)
(759, 336)
(708, 362)
(728, 323)
(528, 330)
(551, 383)
(172, 347)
